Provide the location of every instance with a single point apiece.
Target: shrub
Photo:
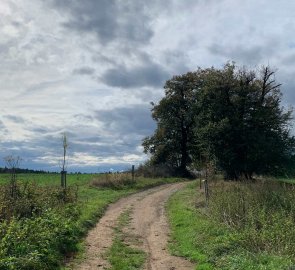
(31, 199)
(38, 242)
(154, 171)
(38, 226)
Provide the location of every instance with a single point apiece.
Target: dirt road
(148, 224)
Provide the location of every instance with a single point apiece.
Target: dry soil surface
(148, 224)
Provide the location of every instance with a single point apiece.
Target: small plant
(13, 164)
(63, 173)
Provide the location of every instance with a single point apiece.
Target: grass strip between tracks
(122, 255)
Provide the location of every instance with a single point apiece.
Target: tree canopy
(232, 115)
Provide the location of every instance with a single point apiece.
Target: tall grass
(213, 242)
(113, 180)
(262, 212)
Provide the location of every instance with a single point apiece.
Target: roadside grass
(121, 255)
(46, 238)
(196, 235)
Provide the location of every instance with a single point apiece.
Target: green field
(50, 178)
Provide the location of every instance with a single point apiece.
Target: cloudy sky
(91, 68)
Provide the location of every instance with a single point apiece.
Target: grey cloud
(14, 118)
(102, 151)
(84, 71)
(288, 87)
(288, 60)
(246, 55)
(108, 19)
(2, 126)
(83, 117)
(130, 120)
(149, 74)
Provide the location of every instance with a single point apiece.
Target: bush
(155, 171)
(38, 226)
(31, 199)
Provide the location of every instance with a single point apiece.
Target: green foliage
(232, 116)
(150, 170)
(172, 143)
(214, 244)
(38, 242)
(241, 123)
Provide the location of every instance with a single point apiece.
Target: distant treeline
(19, 170)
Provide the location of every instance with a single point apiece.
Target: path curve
(148, 223)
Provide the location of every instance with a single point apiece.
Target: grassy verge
(210, 243)
(121, 255)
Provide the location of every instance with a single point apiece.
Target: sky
(91, 68)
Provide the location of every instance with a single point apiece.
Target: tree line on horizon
(231, 117)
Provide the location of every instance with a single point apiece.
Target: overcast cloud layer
(91, 68)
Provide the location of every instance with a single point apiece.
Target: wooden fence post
(133, 172)
(63, 178)
(206, 187)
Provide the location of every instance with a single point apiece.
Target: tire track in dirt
(148, 223)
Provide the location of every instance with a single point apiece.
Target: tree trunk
(184, 153)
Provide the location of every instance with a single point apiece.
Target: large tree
(232, 115)
(173, 141)
(241, 122)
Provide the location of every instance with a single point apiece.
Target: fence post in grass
(63, 173)
(200, 171)
(63, 177)
(200, 175)
(206, 187)
(133, 172)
